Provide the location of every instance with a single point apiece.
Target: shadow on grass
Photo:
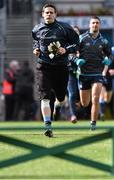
(28, 177)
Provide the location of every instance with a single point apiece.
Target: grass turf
(50, 167)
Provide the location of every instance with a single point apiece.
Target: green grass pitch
(15, 154)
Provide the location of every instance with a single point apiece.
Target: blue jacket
(93, 52)
(44, 34)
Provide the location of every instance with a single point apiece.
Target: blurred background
(17, 18)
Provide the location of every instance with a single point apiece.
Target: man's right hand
(36, 52)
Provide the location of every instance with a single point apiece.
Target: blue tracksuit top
(93, 51)
(44, 34)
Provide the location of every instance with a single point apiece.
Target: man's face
(94, 25)
(49, 15)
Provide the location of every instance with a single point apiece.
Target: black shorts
(85, 82)
(51, 78)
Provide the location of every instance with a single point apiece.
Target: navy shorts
(107, 83)
(51, 78)
(85, 82)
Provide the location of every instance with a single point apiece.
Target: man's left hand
(61, 51)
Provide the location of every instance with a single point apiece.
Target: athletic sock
(102, 107)
(46, 111)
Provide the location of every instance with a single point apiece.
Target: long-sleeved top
(93, 52)
(44, 34)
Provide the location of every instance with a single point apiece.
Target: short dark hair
(96, 17)
(49, 5)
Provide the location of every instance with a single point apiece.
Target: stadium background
(17, 17)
